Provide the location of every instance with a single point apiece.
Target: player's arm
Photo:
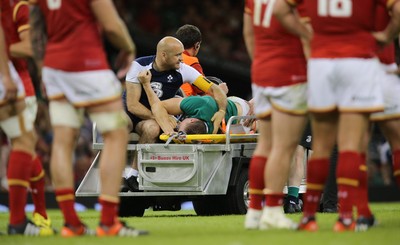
(144, 78)
(133, 93)
(116, 33)
(198, 80)
(248, 32)
(9, 86)
(23, 48)
(38, 34)
(306, 42)
(162, 111)
(393, 28)
(220, 97)
(212, 89)
(287, 15)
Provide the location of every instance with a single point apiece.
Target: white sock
(132, 172)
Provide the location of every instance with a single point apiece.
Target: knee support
(16, 125)
(65, 114)
(108, 121)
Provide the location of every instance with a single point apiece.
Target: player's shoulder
(186, 68)
(145, 60)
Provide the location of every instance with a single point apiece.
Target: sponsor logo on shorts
(391, 108)
(363, 98)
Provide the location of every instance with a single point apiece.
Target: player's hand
(217, 119)
(224, 87)
(381, 38)
(249, 122)
(11, 89)
(144, 77)
(123, 63)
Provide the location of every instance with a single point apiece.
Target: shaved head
(168, 43)
(169, 53)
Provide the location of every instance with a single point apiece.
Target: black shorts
(306, 139)
(135, 120)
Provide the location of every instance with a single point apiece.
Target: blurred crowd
(221, 26)
(219, 21)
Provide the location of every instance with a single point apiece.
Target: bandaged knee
(16, 125)
(65, 114)
(108, 121)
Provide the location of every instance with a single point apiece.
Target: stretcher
(210, 170)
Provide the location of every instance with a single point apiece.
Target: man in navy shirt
(168, 74)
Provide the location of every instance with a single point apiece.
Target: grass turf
(184, 227)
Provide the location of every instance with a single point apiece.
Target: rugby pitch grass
(185, 228)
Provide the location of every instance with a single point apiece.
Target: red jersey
(15, 19)
(387, 54)
(74, 42)
(342, 28)
(278, 55)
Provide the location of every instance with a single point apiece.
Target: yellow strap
(66, 197)
(347, 181)
(16, 8)
(23, 28)
(363, 168)
(256, 192)
(38, 177)
(202, 83)
(317, 187)
(18, 182)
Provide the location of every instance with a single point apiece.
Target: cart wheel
(131, 207)
(238, 195)
(211, 205)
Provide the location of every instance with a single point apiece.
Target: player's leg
(148, 131)
(286, 133)
(262, 108)
(391, 131)
(361, 201)
(66, 121)
(352, 127)
(256, 174)
(361, 94)
(111, 122)
(105, 108)
(37, 179)
(389, 119)
(324, 129)
(296, 174)
(19, 130)
(329, 197)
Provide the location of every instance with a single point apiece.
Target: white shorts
(17, 80)
(245, 112)
(81, 88)
(391, 94)
(243, 104)
(348, 84)
(291, 99)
